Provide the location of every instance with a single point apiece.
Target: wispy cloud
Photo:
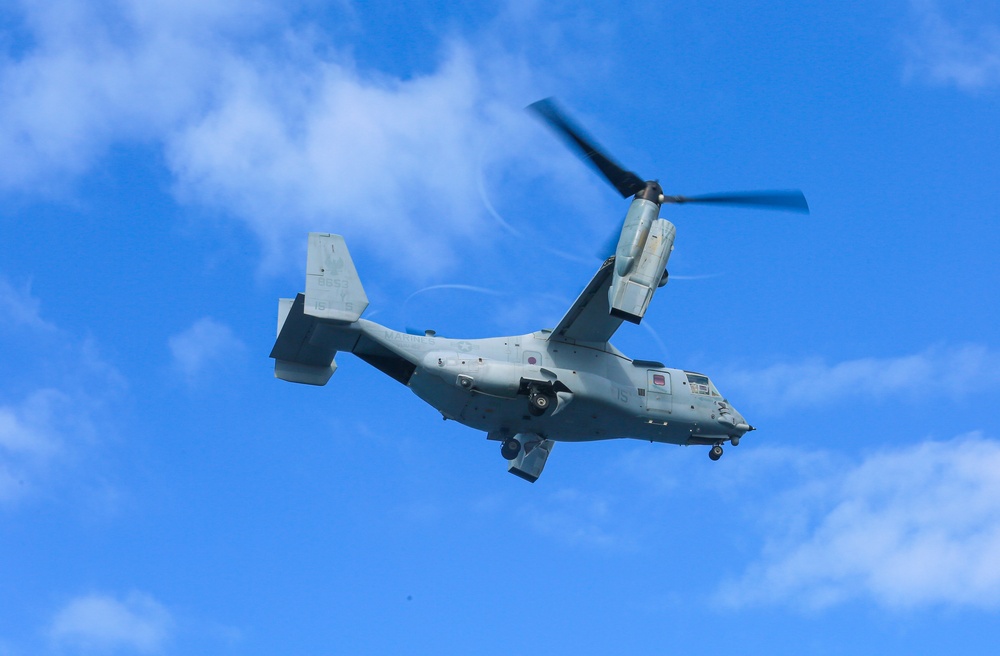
(45, 425)
(31, 436)
(950, 372)
(908, 527)
(961, 53)
(19, 308)
(205, 344)
(102, 622)
(261, 122)
(278, 165)
(99, 72)
(578, 518)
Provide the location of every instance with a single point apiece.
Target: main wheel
(715, 452)
(538, 403)
(510, 448)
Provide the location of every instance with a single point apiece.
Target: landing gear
(715, 452)
(538, 403)
(510, 448)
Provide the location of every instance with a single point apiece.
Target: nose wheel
(715, 452)
(510, 448)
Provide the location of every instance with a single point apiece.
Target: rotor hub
(651, 192)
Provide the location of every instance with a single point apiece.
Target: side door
(659, 395)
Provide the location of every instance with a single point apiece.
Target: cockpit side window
(700, 384)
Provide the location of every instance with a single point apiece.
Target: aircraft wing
(589, 318)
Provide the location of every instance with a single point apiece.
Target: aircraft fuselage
(596, 392)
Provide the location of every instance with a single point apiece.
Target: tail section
(313, 326)
(333, 288)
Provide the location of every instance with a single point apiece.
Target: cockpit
(700, 384)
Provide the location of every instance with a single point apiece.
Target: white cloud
(950, 372)
(291, 148)
(964, 54)
(95, 72)
(906, 528)
(206, 343)
(261, 121)
(102, 622)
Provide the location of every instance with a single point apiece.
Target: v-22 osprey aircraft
(565, 384)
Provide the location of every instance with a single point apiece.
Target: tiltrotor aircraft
(567, 384)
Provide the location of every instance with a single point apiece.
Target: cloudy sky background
(162, 162)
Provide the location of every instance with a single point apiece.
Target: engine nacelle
(631, 293)
(640, 217)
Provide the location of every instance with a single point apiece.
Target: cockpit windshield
(700, 384)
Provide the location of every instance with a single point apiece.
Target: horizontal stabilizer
(306, 346)
(333, 288)
(295, 372)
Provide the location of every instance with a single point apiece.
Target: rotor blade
(626, 182)
(791, 200)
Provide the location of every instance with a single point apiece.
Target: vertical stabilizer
(333, 288)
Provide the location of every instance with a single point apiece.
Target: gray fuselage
(597, 392)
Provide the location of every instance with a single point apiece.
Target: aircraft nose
(731, 419)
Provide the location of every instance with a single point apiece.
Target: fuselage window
(658, 381)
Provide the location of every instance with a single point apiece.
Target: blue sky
(162, 162)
